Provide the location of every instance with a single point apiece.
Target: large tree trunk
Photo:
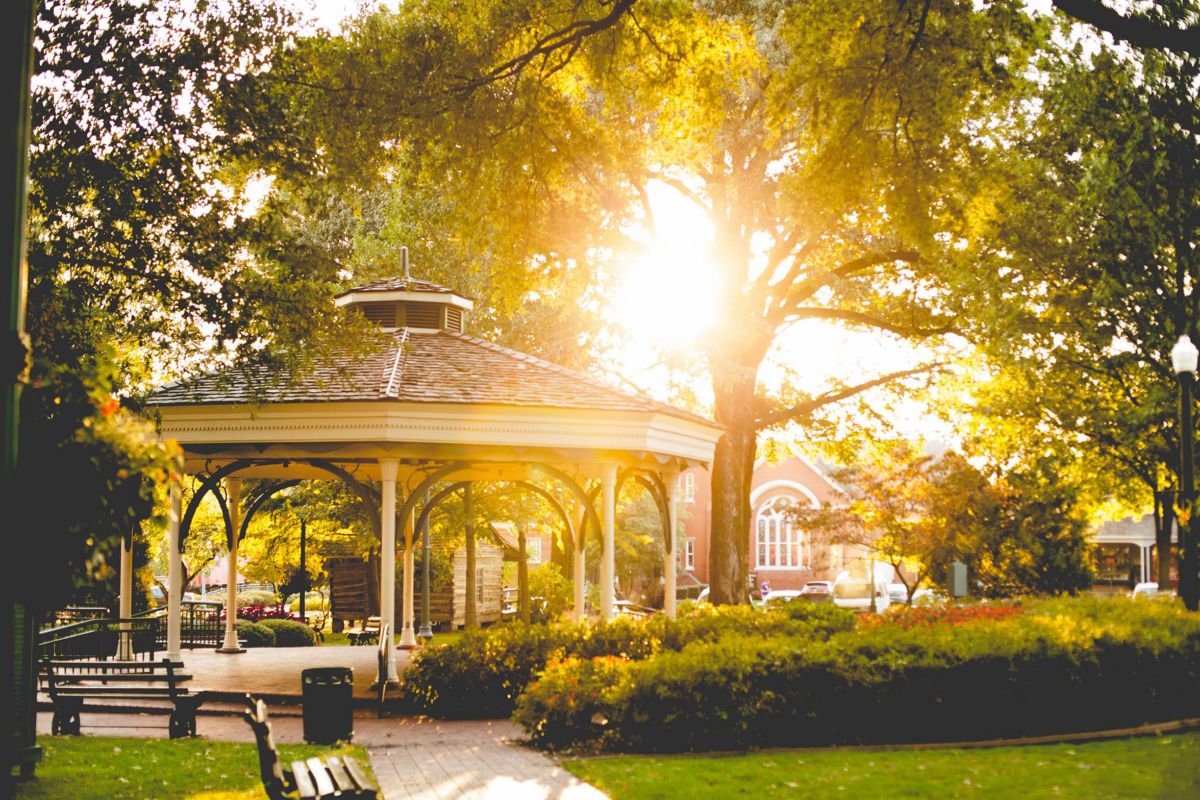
(733, 469)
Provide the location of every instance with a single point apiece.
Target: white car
(898, 593)
(779, 597)
(855, 594)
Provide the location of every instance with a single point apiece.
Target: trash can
(327, 694)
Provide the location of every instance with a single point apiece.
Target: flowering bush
(257, 612)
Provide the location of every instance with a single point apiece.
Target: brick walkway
(413, 758)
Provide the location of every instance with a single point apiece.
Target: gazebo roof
(419, 367)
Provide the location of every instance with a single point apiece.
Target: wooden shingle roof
(399, 284)
(427, 367)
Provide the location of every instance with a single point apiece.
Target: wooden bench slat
(357, 773)
(341, 778)
(304, 782)
(320, 777)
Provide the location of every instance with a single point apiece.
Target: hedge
(1058, 666)
(482, 674)
(289, 633)
(254, 634)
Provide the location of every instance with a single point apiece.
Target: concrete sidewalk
(413, 758)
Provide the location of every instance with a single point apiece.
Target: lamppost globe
(1184, 355)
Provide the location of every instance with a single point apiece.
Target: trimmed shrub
(289, 633)
(482, 674)
(254, 634)
(1053, 666)
(561, 707)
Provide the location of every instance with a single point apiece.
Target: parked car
(855, 593)
(779, 597)
(898, 593)
(817, 592)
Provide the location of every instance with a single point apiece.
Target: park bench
(69, 683)
(367, 633)
(332, 776)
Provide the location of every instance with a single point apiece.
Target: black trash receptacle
(327, 693)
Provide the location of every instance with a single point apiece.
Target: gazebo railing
(100, 639)
(200, 623)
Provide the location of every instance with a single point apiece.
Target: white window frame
(778, 542)
(533, 549)
(689, 553)
(689, 487)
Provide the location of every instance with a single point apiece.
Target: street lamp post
(1183, 359)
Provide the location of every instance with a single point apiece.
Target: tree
(1146, 28)
(1086, 272)
(819, 138)
(1022, 532)
(151, 123)
(912, 510)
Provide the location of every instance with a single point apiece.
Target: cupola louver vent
(423, 315)
(382, 314)
(454, 318)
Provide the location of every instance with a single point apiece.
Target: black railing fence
(142, 636)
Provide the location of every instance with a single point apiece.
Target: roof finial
(404, 261)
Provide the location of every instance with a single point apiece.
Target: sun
(667, 297)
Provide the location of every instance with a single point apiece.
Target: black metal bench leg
(183, 718)
(66, 718)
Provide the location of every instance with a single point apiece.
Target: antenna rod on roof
(404, 261)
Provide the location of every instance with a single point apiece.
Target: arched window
(779, 543)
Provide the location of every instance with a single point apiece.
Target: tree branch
(570, 37)
(801, 410)
(808, 287)
(1136, 30)
(859, 318)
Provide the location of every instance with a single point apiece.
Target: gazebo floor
(274, 672)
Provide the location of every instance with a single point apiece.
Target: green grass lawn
(1150, 767)
(103, 768)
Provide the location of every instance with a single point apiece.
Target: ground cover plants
(1160, 766)
(104, 768)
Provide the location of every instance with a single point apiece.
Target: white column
(608, 519)
(125, 609)
(408, 635)
(1145, 562)
(579, 571)
(671, 556)
(388, 468)
(174, 570)
(233, 492)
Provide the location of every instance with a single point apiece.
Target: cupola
(406, 302)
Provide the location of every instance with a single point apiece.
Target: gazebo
(429, 412)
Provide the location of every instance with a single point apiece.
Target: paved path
(413, 759)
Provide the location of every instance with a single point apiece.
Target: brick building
(781, 552)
